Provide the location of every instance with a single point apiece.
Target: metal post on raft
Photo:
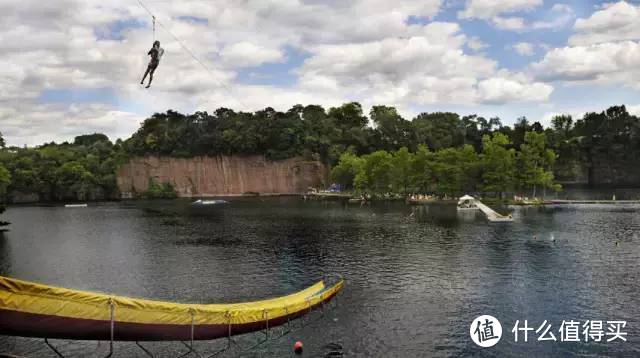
(265, 314)
(302, 316)
(286, 312)
(229, 340)
(112, 326)
(190, 346)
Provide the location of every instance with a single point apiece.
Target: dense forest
(82, 170)
(439, 152)
(455, 170)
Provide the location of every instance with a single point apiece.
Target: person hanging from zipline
(156, 53)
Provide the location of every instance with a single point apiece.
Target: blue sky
(513, 58)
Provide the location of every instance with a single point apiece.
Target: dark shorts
(153, 64)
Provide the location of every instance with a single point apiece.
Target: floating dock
(491, 214)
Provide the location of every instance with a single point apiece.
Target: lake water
(416, 277)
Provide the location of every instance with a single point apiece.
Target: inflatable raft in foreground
(33, 310)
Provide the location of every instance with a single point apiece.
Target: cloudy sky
(70, 67)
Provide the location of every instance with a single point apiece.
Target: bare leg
(151, 77)
(145, 75)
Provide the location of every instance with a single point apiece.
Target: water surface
(415, 276)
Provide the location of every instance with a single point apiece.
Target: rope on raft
(231, 342)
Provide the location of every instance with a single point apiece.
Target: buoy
(297, 347)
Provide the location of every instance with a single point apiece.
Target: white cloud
(501, 14)
(357, 50)
(614, 22)
(565, 17)
(489, 9)
(561, 8)
(423, 69)
(244, 54)
(508, 23)
(524, 48)
(476, 44)
(38, 124)
(634, 110)
(513, 88)
(601, 63)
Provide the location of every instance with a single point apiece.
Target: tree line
(599, 148)
(450, 171)
(82, 170)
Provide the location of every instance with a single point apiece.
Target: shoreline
(342, 196)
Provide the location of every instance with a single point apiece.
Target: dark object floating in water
(333, 350)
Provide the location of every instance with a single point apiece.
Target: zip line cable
(182, 44)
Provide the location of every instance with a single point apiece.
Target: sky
(72, 67)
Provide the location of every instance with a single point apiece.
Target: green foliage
(392, 131)
(421, 175)
(84, 170)
(345, 172)
(401, 166)
(91, 139)
(447, 171)
(375, 173)
(535, 162)
(438, 130)
(5, 180)
(159, 190)
(498, 164)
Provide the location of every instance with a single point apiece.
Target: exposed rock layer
(209, 176)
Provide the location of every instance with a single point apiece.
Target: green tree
(375, 173)
(498, 164)
(536, 162)
(74, 180)
(455, 170)
(348, 167)
(421, 174)
(5, 180)
(393, 131)
(401, 164)
(438, 130)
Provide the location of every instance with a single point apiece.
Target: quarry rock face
(221, 175)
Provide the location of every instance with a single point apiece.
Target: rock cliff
(211, 176)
